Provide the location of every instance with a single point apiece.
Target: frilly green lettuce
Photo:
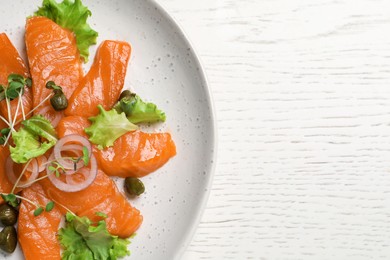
(107, 127)
(27, 139)
(138, 111)
(82, 239)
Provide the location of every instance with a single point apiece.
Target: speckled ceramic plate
(163, 69)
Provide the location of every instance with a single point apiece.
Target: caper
(8, 239)
(8, 215)
(59, 101)
(134, 186)
(126, 94)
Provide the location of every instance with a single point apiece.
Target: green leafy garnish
(38, 211)
(15, 86)
(10, 199)
(107, 127)
(72, 16)
(82, 239)
(39, 125)
(27, 139)
(138, 111)
(56, 169)
(49, 206)
(101, 214)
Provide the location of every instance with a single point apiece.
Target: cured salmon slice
(38, 234)
(72, 125)
(103, 83)
(53, 56)
(101, 196)
(134, 154)
(12, 63)
(10, 60)
(5, 184)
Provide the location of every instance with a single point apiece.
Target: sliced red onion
(72, 148)
(60, 147)
(72, 186)
(9, 167)
(41, 164)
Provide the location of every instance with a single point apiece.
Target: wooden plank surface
(302, 94)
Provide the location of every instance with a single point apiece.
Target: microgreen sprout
(84, 157)
(14, 200)
(15, 87)
(57, 168)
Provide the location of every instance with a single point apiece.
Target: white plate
(163, 69)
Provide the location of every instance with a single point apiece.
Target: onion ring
(71, 185)
(41, 160)
(60, 147)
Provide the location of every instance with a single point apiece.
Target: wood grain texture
(302, 93)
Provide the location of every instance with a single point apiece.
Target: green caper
(8, 239)
(59, 101)
(134, 186)
(8, 215)
(126, 94)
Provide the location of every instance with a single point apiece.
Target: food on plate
(104, 82)
(63, 135)
(12, 64)
(37, 234)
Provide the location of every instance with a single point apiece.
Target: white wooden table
(302, 93)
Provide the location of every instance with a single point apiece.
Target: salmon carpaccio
(11, 62)
(53, 56)
(38, 234)
(101, 196)
(103, 83)
(134, 154)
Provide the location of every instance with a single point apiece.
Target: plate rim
(213, 122)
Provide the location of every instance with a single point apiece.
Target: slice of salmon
(72, 125)
(104, 81)
(38, 234)
(5, 184)
(11, 62)
(53, 56)
(134, 154)
(101, 196)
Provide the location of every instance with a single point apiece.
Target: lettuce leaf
(82, 239)
(27, 139)
(138, 111)
(107, 127)
(72, 16)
